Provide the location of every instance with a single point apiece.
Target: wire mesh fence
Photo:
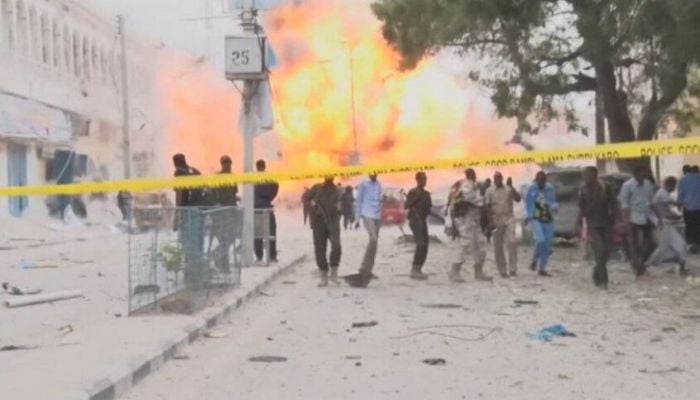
(180, 257)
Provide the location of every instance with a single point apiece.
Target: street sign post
(245, 57)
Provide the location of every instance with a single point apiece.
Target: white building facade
(61, 98)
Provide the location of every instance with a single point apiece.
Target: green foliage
(537, 55)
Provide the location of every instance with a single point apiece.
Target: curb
(124, 379)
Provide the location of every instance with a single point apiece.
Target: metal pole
(126, 130)
(352, 106)
(247, 259)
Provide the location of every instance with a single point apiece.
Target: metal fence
(180, 257)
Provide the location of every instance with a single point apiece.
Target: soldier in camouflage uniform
(466, 209)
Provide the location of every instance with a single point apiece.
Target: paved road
(621, 350)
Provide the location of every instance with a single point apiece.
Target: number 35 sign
(245, 57)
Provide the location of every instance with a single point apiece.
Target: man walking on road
(264, 195)
(466, 210)
(369, 210)
(689, 197)
(540, 206)
(347, 201)
(418, 204)
(598, 205)
(671, 245)
(499, 204)
(324, 199)
(636, 198)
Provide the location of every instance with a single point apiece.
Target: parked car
(567, 183)
(393, 212)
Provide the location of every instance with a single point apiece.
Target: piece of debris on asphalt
(435, 361)
(289, 283)
(181, 357)
(215, 334)
(15, 291)
(13, 347)
(563, 377)
(442, 306)
(691, 316)
(65, 330)
(268, 359)
(526, 302)
(669, 329)
(364, 324)
(549, 333)
(661, 371)
(656, 339)
(29, 300)
(358, 364)
(353, 357)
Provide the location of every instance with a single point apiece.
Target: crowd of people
(477, 212)
(481, 212)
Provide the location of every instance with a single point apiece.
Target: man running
(499, 202)
(466, 209)
(419, 204)
(540, 205)
(598, 206)
(324, 199)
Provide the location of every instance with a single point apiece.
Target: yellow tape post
(615, 151)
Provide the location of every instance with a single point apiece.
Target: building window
(56, 36)
(77, 52)
(46, 40)
(22, 28)
(34, 35)
(7, 9)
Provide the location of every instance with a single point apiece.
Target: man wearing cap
(466, 209)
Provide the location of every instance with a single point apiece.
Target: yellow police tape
(601, 152)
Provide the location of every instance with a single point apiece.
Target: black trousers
(601, 243)
(641, 245)
(322, 235)
(258, 245)
(692, 226)
(419, 227)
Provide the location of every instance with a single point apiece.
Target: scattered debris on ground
(365, 324)
(435, 361)
(549, 333)
(15, 291)
(28, 300)
(12, 347)
(662, 371)
(267, 359)
(442, 306)
(526, 302)
(215, 334)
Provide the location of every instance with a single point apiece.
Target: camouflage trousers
(472, 240)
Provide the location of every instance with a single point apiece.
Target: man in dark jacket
(347, 201)
(190, 224)
(325, 223)
(418, 204)
(265, 194)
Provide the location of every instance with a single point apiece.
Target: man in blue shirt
(636, 199)
(540, 205)
(689, 197)
(368, 208)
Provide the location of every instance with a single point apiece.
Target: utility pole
(126, 130)
(355, 155)
(249, 128)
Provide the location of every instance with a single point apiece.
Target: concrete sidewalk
(103, 353)
(105, 361)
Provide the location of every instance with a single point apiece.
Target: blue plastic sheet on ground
(550, 332)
